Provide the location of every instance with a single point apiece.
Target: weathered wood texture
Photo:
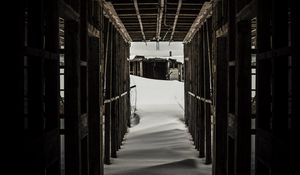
(40, 86)
(275, 142)
(198, 101)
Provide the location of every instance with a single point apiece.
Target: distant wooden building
(156, 68)
(136, 65)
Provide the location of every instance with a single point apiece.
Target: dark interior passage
(71, 87)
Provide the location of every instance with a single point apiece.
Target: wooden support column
(107, 90)
(94, 106)
(84, 86)
(192, 89)
(15, 102)
(295, 113)
(201, 116)
(295, 28)
(280, 70)
(128, 107)
(263, 90)
(72, 99)
(34, 144)
(114, 87)
(35, 67)
(197, 109)
(206, 95)
(243, 99)
(279, 89)
(220, 126)
(52, 88)
(101, 89)
(186, 83)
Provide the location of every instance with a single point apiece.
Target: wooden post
(295, 86)
(243, 99)
(206, 95)
(35, 67)
(14, 102)
(101, 89)
(94, 106)
(52, 88)
(220, 128)
(72, 99)
(34, 145)
(107, 90)
(114, 85)
(84, 86)
(201, 94)
(263, 90)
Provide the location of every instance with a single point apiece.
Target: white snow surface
(160, 143)
(154, 92)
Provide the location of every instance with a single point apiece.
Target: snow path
(160, 143)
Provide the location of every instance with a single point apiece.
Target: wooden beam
(113, 16)
(67, 12)
(205, 12)
(139, 19)
(159, 19)
(248, 12)
(175, 19)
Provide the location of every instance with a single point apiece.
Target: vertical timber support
(94, 106)
(243, 99)
(114, 87)
(72, 99)
(107, 90)
(52, 88)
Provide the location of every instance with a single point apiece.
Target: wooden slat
(280, 52)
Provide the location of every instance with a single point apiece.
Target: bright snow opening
(160, 143)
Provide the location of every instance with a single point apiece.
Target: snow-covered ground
(160, 143)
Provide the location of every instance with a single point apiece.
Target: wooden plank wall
(117, 91)
(197, 54)
(276, 96)
(270, 53)
(64, 120)
(232, 47)
(40, 62)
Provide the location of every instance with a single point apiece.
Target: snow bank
(150, 91)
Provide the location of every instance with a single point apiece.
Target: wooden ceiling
(157, 20)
